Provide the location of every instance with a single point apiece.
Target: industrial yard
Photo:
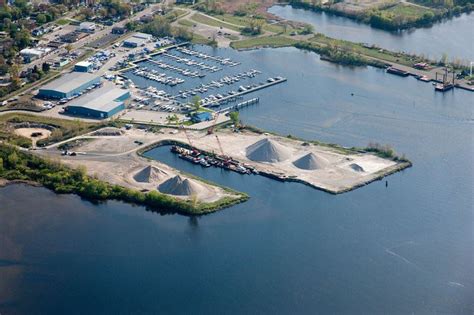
(115, 158)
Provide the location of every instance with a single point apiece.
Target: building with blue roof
(102, 103)
(202, 116)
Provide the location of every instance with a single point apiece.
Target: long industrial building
(68, 85)
(99, 104)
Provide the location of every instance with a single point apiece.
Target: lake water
(455, 37)
(405, 248)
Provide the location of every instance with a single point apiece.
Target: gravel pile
(267, 150)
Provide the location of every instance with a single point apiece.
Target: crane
(220, 145)
(195, 151)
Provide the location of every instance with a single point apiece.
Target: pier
(431, 75)
(252, 101)
(275, 81)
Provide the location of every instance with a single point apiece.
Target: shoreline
(439, 15)
(72, 180)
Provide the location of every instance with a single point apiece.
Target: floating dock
(254, 89)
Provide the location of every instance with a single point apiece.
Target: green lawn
(407, 11)
(243, 21)
(199, 39)
(265, 41)
(211, 22)
(63, 21)
(185, 22)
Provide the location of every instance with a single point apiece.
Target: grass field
(366, 51)
(408, 11)
(212, 22)
(264, 41)
(185, 22)
(63, 21)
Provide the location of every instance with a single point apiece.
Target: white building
(87, 27)
(30, 54)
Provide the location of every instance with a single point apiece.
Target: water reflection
(453, 37)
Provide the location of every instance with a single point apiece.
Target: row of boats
(225, 162)
(226, 80)
(186, 72)
(198, 54)
(192, 63)
(219, 99)
(153, 75)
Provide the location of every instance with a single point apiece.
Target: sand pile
(150, 174)
(311, 161)
(267, 150)
(356, 167)
(181, 187)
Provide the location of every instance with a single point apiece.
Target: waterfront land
(19, 166)
(105, 166)
(389, 15)
(116, 159)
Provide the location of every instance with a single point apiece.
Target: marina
(186, 72)
(214, 93)
(190, 62)
(201, 55)
(154, 75)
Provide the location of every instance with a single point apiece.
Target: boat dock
(252, 101)
(271, 82)
(430, 75)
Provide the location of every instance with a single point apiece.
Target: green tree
(41, 18)
(234, 116)
(45, 67)
(197, 102)
(307, 29)
(12, 159)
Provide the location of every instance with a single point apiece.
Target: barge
(398, 72)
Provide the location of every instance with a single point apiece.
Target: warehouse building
(100, 104)
(68, 85)
(83, 66)
(137, 40)
(30, 54)
(87, 27)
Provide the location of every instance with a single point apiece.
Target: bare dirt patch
(35, 134)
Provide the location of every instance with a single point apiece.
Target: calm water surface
(455, 37)
(407, 248)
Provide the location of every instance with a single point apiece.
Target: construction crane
(220, 146)
(195, 151)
